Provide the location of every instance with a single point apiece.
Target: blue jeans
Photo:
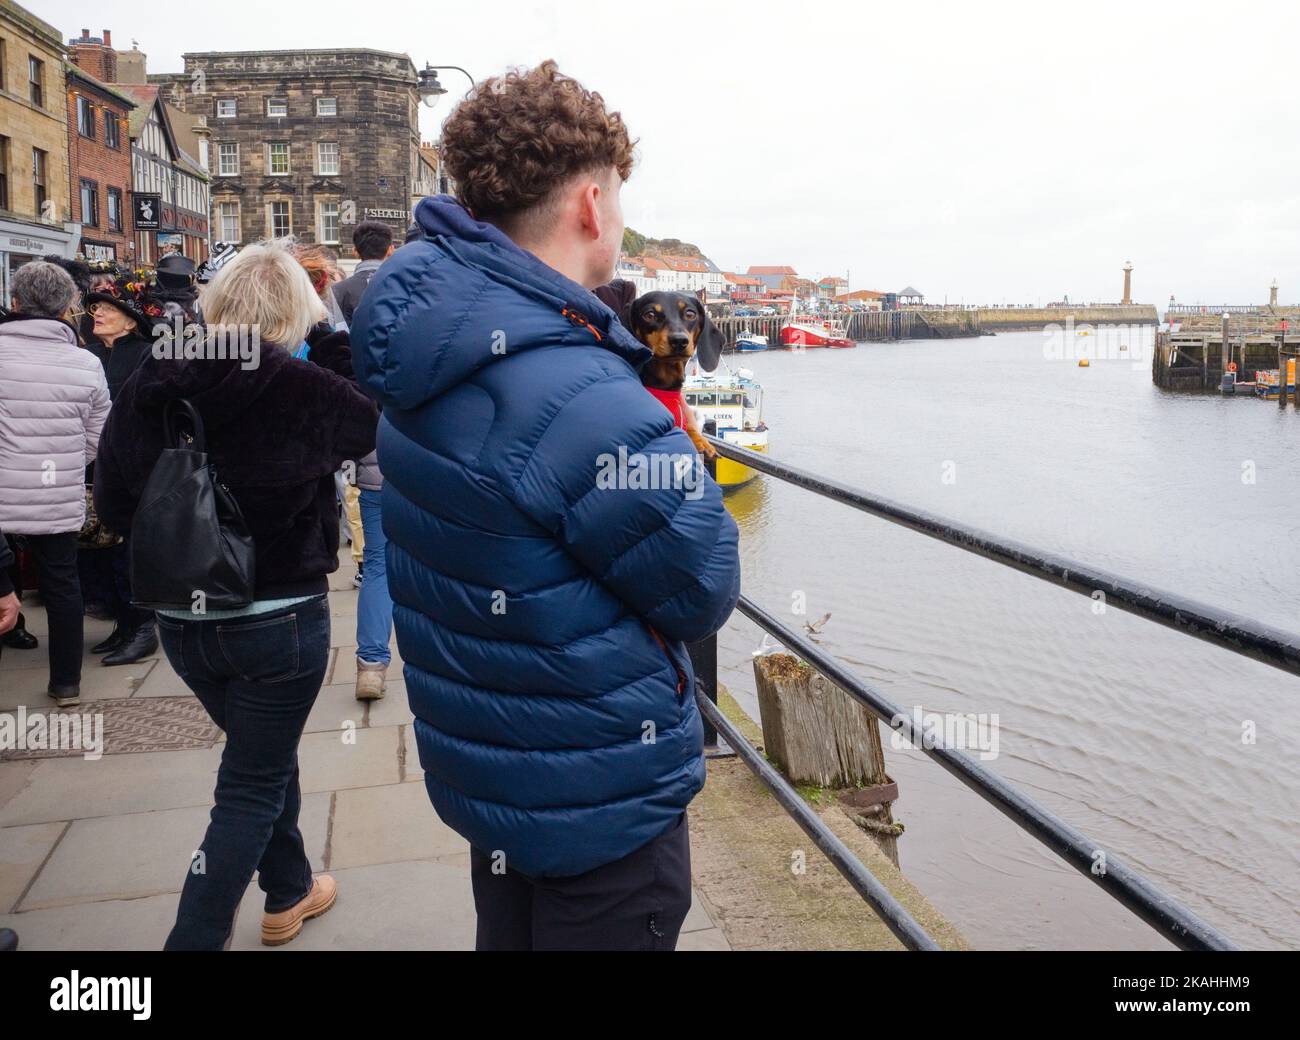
(258, 678)
(375, 605)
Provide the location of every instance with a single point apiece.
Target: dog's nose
(679, 341)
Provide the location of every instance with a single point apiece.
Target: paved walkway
(93, 853)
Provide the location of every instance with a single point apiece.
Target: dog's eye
(689, 315)
(648, 316)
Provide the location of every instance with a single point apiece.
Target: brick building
(99, 150)
(307, 143)
(165, 174)
(35, 211)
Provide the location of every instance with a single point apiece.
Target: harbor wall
(1008, 318)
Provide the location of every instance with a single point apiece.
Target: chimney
(94, 56)
(131, 66)
(108, 38)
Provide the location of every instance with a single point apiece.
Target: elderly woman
(276, 432)
(53, 403)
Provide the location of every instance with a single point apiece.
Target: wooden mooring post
(1281, 370)
(816, 733)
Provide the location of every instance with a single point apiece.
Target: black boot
(141, 644)
(8, 940)
(18, 638)
(113, 642)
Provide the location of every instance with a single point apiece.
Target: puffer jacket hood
(541, 611)
(53, 404)
(498, 287)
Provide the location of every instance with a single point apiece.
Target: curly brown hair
(516, 138)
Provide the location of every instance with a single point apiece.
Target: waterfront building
(829, 288)
(308, 143)
(772, 277)
(36, 219)
(633, 269)
(99, 150)
(665, 278)
(742, 288)
(714, 286)
(863, 299)
(687, 273)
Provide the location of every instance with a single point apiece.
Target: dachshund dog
(676, 327)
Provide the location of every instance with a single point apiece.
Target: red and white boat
(806, 331)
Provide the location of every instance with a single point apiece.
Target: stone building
(307, 143)
(35, 211)
(99, 150)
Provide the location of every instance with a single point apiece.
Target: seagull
(816, 627)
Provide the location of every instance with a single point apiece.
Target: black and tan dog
(676, 327)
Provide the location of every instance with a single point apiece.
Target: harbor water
(1177, 757)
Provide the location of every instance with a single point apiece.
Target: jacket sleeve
(99, 405)
(662, 542)
(356, 422)
(331, 350)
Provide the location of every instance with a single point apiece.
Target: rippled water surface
(1132, 733)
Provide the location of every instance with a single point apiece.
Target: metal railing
(1231, 632)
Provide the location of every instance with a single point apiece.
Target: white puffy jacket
(53, 403)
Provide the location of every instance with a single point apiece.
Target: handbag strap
(179, 408)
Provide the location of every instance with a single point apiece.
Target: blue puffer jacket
(540, 612)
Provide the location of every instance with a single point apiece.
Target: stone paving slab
(118, 924)
(162, 681)
(419, 905)
(22, 852)
(28, 685)
(393, 708)
(327, 763)
(389, 824)
(707, 940)
(74, 788)
(335, 707)
(144, 854)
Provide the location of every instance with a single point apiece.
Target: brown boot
(278, 929)
(370, 680)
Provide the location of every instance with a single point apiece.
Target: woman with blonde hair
(276, 430)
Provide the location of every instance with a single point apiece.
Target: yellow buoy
(1084, 362)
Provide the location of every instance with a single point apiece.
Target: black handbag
(190, 547)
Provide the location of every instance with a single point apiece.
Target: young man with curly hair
(540, 609)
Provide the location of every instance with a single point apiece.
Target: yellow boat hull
(731, 474)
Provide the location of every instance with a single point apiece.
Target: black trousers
(106, 579)
(56, 566)
(635, 903)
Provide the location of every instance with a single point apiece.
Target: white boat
(749, 341)
(733, 400)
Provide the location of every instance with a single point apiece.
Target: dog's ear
(708, 344)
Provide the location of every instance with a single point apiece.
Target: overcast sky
(984, 152)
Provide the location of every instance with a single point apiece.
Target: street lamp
(430, 90)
